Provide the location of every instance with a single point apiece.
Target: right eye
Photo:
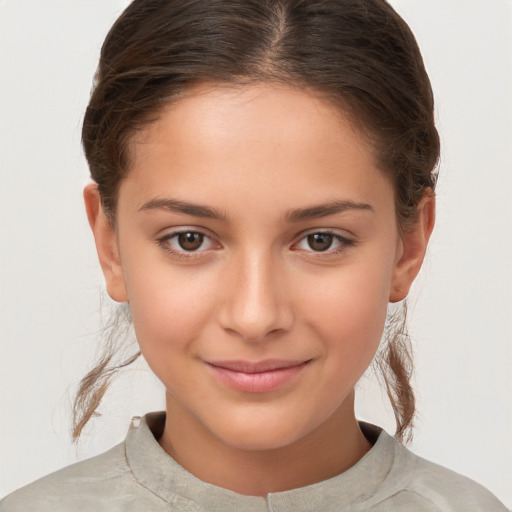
(186, 242)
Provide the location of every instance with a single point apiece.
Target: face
(257, 244)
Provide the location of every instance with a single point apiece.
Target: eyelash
(344, 243)
(164, 242)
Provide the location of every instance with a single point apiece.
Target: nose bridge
(257, 302)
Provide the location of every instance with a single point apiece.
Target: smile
(260, 377)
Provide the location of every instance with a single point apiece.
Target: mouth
(256, 377)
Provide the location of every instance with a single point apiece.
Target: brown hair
(358, 54)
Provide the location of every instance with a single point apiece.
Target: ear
(106, 244)
(413, 247)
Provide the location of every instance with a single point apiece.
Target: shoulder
(434, 487)
(85, 486)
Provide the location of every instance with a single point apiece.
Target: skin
(257, 289)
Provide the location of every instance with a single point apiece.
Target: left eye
(322, 242)
(187, 241)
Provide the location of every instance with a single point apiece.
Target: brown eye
(320, 241)
(187, 244)
(190, 241)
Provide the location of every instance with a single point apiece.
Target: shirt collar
(157, 471)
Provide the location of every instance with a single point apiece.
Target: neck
(329, 450)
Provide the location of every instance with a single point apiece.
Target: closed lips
(259, 367)
(260, 377)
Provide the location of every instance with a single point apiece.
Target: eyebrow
(175, 206)
(292, 216)
(325, 209)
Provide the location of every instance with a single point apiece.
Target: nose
(256, 302)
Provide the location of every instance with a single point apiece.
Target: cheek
(169, 311)
(349, 312)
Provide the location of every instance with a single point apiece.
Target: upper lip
(256, 367)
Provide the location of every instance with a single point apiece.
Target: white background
(50, 283)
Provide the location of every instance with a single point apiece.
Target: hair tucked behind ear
(114, 357)
(357, 54)
(395, 364)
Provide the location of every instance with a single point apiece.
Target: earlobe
(106, 244)
(413, 247)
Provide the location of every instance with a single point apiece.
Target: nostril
(254, 336)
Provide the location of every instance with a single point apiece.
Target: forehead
(211, 111)
(263, 138)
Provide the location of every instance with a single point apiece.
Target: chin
(271, 434)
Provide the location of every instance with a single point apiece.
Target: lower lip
(262, 382)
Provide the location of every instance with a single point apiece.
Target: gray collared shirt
(139, 476)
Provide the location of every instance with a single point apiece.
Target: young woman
(263, 187)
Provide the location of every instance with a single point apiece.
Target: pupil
(320, 241)
(190, 241)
